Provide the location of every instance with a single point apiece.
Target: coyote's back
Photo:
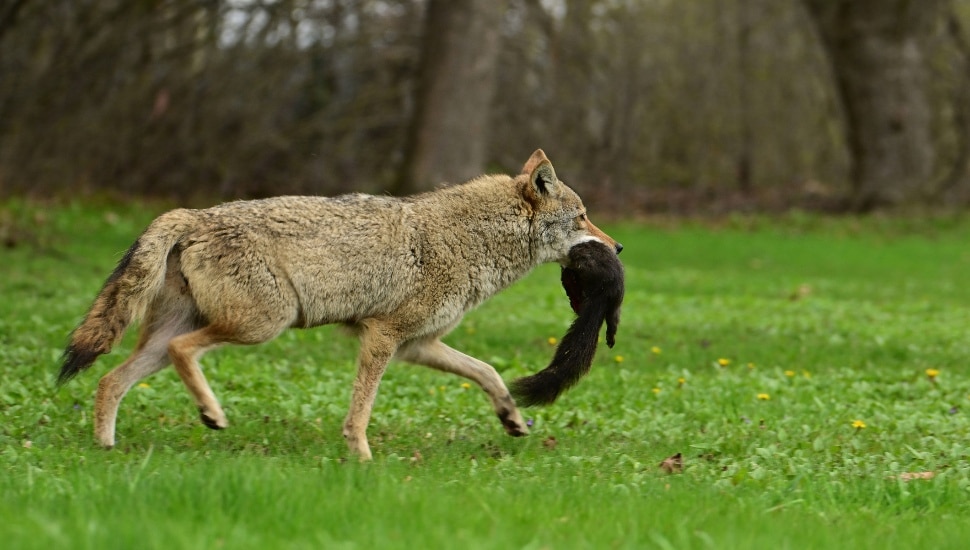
(401, 272)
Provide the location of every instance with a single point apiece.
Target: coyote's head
(559, 219)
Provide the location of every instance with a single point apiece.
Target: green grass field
(756, 348)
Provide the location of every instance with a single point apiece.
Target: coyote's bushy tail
(134, 284)
(594, 283)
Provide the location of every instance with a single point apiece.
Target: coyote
(400, 272)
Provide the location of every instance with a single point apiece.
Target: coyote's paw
(104, 434)
(357, 443)
(215, 421)
(513, 423)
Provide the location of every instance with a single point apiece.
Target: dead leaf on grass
(910, 476)
(550, 443)
(673, 464)
(801, 292)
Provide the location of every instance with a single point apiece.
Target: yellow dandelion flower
(750, 365)
(552, 340)
(723, 362)
(655, 391)
(618, 358)
(763, 397)
(681, 380)
(465, 385)
(806, 374)
(858, 424)
(932, 373)
(656, 350)
(789, 373)
(442, 389)
(143, 385)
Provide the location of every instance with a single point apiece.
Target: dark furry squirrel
(593, 281)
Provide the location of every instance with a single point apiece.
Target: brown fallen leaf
(550, 442)
(909, 476)
(801, 292)
(673, 464)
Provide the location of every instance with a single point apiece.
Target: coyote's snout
(401, 272)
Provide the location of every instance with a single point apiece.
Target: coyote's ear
(543, 179)
(542, 176)
(534, 161)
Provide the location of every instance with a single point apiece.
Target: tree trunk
(745, 149)
(875, 49)
(961, 110)
(448, 134)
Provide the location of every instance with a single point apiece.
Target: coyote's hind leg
(149, 357)
(185, 351)
(437, 355)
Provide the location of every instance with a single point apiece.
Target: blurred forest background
(643, 105)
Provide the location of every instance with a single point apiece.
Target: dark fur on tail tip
(82, 352)
(75, 361)
(594, 283)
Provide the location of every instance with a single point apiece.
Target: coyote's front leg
(377, 347)
(437, 355)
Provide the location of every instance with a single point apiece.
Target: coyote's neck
(484, 227)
